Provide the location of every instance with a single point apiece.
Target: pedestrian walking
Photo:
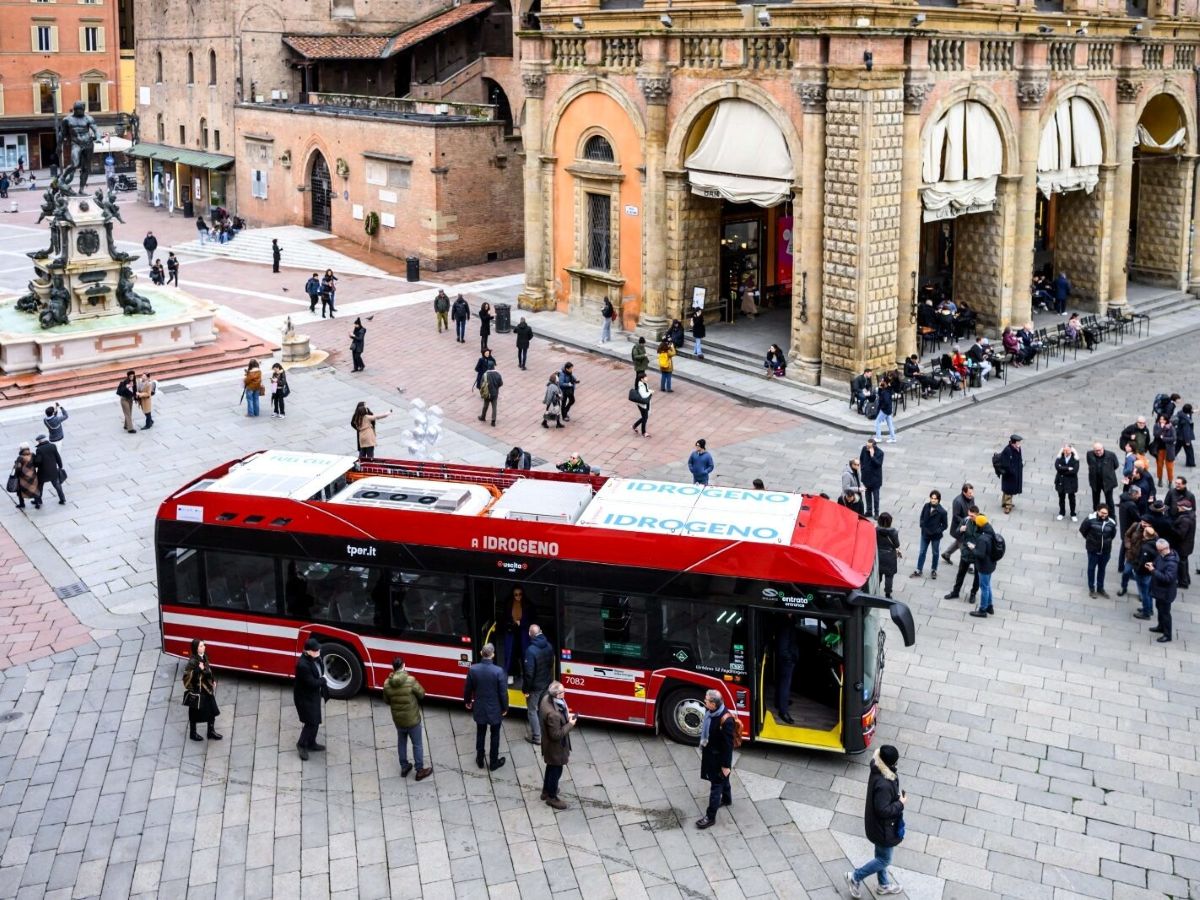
(50, 469)
(489, 390)
(200, 692)
(486, 695)
(329, 290)
(666, 365)
(1009, 464)
(460, 312)
(252, 387)
(1062, 290)
(717, 737)
(484, 364)
(986, 553)
(958, 515)
(1098, 531)
(172, 269)
(966, 533)
(441, 310)
(1164, 573)
(607, 314)
(887, 545)
(641, 358)
(1066, 480)
(25, 472)
(536, 676)
(787, 654)
(1102, 466)
(639, 395)
(557, 722)
(150, 245)
(1164, 448)
(700, 463)
(568, 382)
(485, 325)
(279, 392)
(883, 413)
(127, 391)
(552, 400)
(699, 331)
(276, 255)
(308, 692)
(883, 822)
(524, 334)
(5, 184)
(934, 523)
(358, 340)
(1185, 435)
(147, 387)
(870, 466)
(55, 416)
(363, 422)
(312, 287)
(404, 694)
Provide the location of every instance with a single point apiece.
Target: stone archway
(1160, 205)
(320, 192)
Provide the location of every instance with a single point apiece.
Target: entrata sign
(660, 507)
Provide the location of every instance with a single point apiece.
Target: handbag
(191, 700)
(62, 476)
(12, 485)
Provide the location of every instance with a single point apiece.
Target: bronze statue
(131, 301)
(30, 302)
(58, 305)
(78, 132)
(108, 205)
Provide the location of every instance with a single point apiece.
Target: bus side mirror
(900, 613)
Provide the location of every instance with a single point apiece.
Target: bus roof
(632, 521)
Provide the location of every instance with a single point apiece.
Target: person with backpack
(460, 312)
(1009, 464)
(607, 314)
(484, 364)
(1098, 531)
(966, 536)
(988, 550)
(489, 390)
(883, 822)
(1164, 405)
(720, 733)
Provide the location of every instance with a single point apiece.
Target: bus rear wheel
(683, 714)
(343, 670)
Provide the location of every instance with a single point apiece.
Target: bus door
(502, 613)
(800, 665)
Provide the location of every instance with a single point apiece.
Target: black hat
(890, 755)
(1013, 438)
(312, 644)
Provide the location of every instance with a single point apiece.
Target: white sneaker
(1058, 518)
(1074, 518)
(853, 886)
(892, 887)
(891, 440)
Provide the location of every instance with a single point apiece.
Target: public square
(1048, 752)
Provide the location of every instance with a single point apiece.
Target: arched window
(598, 149)
(162, 129)
(158, 66)
(204, 133)
(191, 79)
(212, 66)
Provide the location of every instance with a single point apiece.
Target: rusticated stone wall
(1079, 245)
(979, 261)
(1163, 220)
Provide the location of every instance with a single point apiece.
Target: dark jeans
(312, 302)
(491, 401)
(481, 729)
(326, 305)
(403, 735)
(366, 452)
(871, 500)
(783, 686)
(550, 780)
(1185, 573)
(308, 736)
(358, 360)
(567, 402)
(887, 584)
(1164, 616)
(1063, 497)
(460, 329)
(57, 483)
(277, 404)
(1096, 564)
(1108, 499)
(963, 565)
(483, 338)
(928, 543)
(522, 355)
(718, 793)
(1060, 305)
(643, 418)
(1189, 453)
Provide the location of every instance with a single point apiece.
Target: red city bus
(650, 592)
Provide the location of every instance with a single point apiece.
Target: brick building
(321, 115)
(829, 164)
(52, 54)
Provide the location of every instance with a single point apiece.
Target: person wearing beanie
(985, 565)
(310, 689)
(1010, 466)
(883, 822)
(358, 341)
(700, 463)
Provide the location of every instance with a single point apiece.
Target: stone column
(1194, 270)
(656, 89)
(808, 237)
(1128, 91)
(1031, 94)
(533, 296)
(915, 93)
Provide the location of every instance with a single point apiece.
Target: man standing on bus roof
(486, 695)
(786, 654)
(716, 756)
(700, 463)
(310, 689)
(536, 678)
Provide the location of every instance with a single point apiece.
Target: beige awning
(742, 157)
(1070, 152)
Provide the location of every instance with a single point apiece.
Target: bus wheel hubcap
(689, 716)
(337, 672)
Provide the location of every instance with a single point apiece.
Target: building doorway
(320, 190)
(1160, 201)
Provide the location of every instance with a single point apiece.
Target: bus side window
(334, 592)
(181, 576)
(712, 631)
(429, 603)
(238, 581)
(604, 624)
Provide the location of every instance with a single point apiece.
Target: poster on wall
(783, 250)
(698, 298)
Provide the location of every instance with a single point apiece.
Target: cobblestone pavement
(1049, 752)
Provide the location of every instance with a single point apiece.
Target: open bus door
(502, 612)
(814, 683)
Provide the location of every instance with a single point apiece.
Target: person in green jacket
(641, 359)
(404, 694)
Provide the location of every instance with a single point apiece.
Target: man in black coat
(1179, 493)
(486, 695)
(1129, 512)
(150, 244)
(460, 312)
(881, 821)
(536, 676)
(1136, 434)
(716, 755)
(958, 515)
(1183, 539)
(276, 254)
(49, 469)
(1098, 531)
(870, 466)
(1102, 466)
(1164, 572)
(308, 692)
(862, 388)
(312, 287)
(1012, 472)
(787, 653)
(965, 534)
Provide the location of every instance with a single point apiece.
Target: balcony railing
(401, 105)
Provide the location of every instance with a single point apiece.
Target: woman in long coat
(200, 692)
(27, 479)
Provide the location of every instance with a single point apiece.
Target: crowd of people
(224, 227)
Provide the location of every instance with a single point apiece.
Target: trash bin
(189, 210)
(413, 268)
(503, 318)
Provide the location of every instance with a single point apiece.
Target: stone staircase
(302, 249)
(1161, 302)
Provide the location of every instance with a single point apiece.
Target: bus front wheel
(343, 671)
(683, 714)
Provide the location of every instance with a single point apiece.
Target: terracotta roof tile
(336, 46)
(427, 29)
